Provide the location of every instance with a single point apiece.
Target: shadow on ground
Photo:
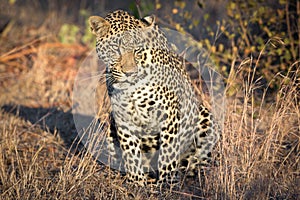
(52, 120)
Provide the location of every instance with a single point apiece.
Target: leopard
(160, 124)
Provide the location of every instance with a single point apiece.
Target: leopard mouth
(120, 80)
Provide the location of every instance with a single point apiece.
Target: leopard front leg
(132, 156)
(113, 145)
(169, 151)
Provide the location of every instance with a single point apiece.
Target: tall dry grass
(261, 141)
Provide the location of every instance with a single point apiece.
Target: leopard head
(120, 41)
(119, 35)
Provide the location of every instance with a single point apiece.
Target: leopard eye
(115, 47)
(115, 61)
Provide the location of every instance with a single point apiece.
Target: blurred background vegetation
(231, 31)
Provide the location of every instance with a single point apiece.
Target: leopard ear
(150, 20)
(99, 26)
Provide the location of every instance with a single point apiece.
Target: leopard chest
(137, 109)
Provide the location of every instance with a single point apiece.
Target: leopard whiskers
(99, 75)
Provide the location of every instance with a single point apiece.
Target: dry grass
(40, 157)
(260, 144)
